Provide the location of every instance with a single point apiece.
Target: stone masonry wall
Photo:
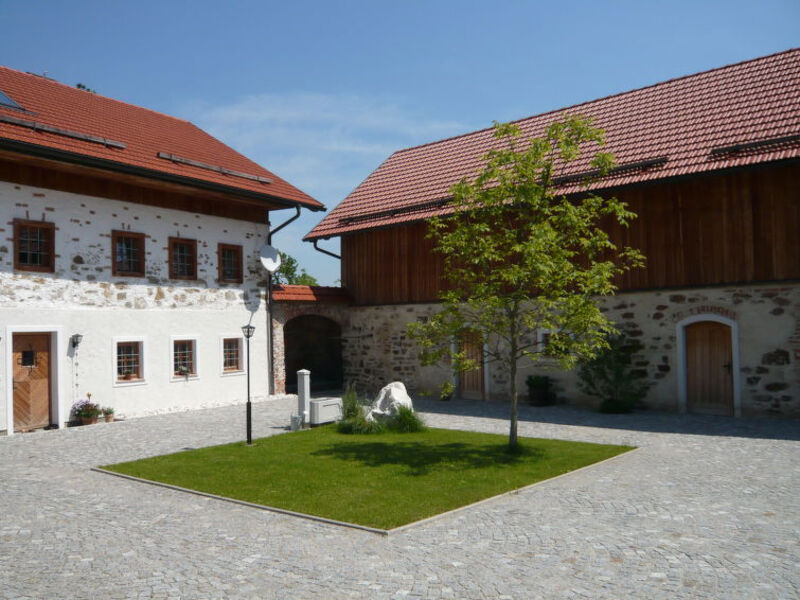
(378, 349)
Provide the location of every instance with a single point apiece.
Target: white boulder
(389, 400)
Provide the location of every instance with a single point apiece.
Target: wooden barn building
(709, 162)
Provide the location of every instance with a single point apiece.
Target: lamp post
(248, 331)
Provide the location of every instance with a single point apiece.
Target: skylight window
(7, 102)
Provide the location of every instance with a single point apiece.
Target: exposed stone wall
(82, 296)
(283, 312)
(82, 274)
(378, 349)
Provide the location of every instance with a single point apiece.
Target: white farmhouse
(128, 258)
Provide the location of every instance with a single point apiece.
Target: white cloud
(325, 144)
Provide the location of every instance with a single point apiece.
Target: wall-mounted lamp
(76, 339)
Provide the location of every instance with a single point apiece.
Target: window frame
(220, 264)
(50, 228)
(173, 241)
(116, 234)
(129, 339)
(242, 358)
(194, 374)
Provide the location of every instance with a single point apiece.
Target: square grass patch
(381, 481)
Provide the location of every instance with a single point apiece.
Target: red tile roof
(678, 127)
(144, 134)
(309, 293)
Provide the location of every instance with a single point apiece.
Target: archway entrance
(314, 343)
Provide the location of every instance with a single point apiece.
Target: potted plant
(540, 390)
(447, 391)
(108, 414)
(86, 411)
(182, 371)
(127, 375)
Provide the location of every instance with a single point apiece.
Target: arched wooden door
(709, 368)
(470, 383)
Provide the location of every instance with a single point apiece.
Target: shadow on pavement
(643, 420)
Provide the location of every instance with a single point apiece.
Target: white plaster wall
(82, 296)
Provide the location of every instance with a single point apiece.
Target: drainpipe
(269, 299)
(328, 252)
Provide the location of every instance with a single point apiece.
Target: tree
(291, 273)
(519, 258)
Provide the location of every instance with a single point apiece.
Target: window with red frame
(230, 263)
(34, 246)
(182, 258)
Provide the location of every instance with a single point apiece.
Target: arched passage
(314, 343)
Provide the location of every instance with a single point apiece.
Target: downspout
(328, 252)
(269, 299)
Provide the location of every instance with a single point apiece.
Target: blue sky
(322, 92)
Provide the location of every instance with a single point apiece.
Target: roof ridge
(606, 97)
(95, 94)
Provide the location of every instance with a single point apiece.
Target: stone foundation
(377, 349)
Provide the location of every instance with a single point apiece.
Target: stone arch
(682, 367)
(313, 342)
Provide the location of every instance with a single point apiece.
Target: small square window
(182, 258)
(34, 246)
(129, 361)
(184, 360)
(127, 254)
(229, 258)
(231, 355)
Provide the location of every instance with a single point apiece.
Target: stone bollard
(304, 395)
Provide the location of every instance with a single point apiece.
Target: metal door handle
(728, 368)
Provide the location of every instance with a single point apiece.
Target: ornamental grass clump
(406, 421)
(353, 418)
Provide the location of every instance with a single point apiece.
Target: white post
(304, 395)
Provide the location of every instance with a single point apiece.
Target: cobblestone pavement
(708, 508)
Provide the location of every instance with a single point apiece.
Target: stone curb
(383, 532)
(402, 528)
(282, 511)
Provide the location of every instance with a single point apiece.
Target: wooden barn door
(709, 368)
(470, 383)
(31, 360)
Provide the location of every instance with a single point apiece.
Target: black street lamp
(248, 331)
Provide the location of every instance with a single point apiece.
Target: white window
(183, 357)
(232, 357)
(128, 360)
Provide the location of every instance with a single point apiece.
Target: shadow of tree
(420, 459)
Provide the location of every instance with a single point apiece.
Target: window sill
(232, 373)
(179, 378)
(129, 382)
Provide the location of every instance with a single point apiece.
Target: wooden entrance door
(470, 383)
(709, 368)
(31, 360)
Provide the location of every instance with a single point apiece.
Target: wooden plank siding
(78, 179)
(737, 227)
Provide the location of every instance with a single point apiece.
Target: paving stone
(707, 508)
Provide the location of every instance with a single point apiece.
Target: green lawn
(381, 481)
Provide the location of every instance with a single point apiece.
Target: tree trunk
(513, 442)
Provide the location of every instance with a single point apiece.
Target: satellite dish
(270, 258)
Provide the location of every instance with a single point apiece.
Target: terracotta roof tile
(144, 133)
(682, 120)
(309, 293)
